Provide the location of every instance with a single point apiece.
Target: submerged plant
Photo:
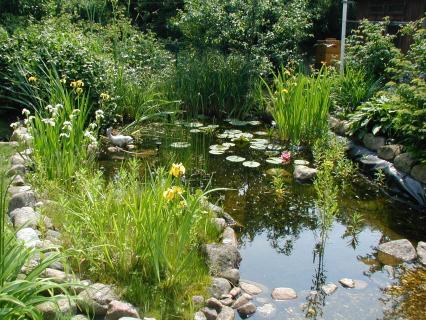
(299, 104)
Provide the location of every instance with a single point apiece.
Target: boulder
(18, 158)
(21, 134)
(221, 257)
(226, 301)
(373, 142)
(421, 252)
(247, 310)
(301, 162)
(118, 309)
(198, 300)
(227, 313)
(17, 169)
(57, 310)
(235, 292)
(199, 316)
(214, 303)
(220, 223)
(250, 288)
(233, 275)
(22, 199)
(53, 236)
(229, 237)
(329, 288)
(210, 314)
(284, 294)
(399, 249)
(25, 216)
(242, 300)
(347, 283)
(390, 151)
(29, 237)
(390, 271)
(56, 275)
(304, 173)
(18, 181)
(96, 298)
(404, 162)
(219, 287)
(18, 189)
(418, 172)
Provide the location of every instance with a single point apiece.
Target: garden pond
(279, 234)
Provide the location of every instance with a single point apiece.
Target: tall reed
(143, 235)
(299, 104)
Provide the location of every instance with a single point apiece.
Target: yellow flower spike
(177, 190)
(73, 84)
(80, 83)
(105, 96)
(32, 79)
(169, 194)
(79, 90)
(284, 90)
(287, 72)
(177, 170)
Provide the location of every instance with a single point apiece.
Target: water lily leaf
(218, 147)
(195, 130)
(237, 123)
(235, 159)
(274, 147)
(260, 141)
(258, 146)
(222, 136)
(216, 152)
(228, 144)
(194, 124)
(254, 123)
(180, 145)
(271, 153)
(274, 160)
(251, 164)
(261, 133)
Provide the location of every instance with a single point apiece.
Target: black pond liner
(401, 185)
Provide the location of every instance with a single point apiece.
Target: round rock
(284, 294)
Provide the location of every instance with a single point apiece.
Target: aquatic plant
(143, 235)
(299, 104)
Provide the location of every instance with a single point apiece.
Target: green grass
(126, 232)
(299, 104)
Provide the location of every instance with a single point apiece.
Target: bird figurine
(119, 140)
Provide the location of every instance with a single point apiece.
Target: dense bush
(399, 110)
(268, 31)
(33, 8)
(371, 48)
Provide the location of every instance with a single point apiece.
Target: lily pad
(195, 130)
(260, 141)
(180, 145)
(251, 164)
(274, 147)
(274, 160)
(222, 135)
(235, 159)
(216, 152)
(261, 133)
(254, 123)
(258, 146)
(237, 123)
(271, 153)
(218, 147)
(228, 144)
(194, 124)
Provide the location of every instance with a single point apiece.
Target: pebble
(284, 294)
(329, 288)
(347, 283)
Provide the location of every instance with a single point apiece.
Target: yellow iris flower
(177, 170)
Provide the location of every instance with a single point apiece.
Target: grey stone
(229, 237)
(418, 172)
(22, 199)
(198, 300)
(53, 236)
(214, 303)
(21, 134)
(233, 275)
(79, 317)
(219, 287)
(18, 189)
(301, 162)
(96, 298)
(56, 275)
(25, 216)
(404, 162)
(55, 311)
(400, 249)
(199, 316)
(390, 271)
(220, 223)
(421, 252)
(226, 301)
(235, 292)
(373, 142)
(347, 283)
(18, 159)
(250, 288)
(284, 294)
(17, 169)
(242, 300)
(222, 257)
(18, 181)
(266, 310)
(390, 151)
(118, 309)
(211, 314)
(304, 173)
(329, 288)
(227, 313)
(29, 237)
(247, 310)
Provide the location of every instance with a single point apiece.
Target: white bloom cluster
(90, 137)
(26, 112)
(49, 121)
(99, 114)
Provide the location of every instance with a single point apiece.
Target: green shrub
(268, 31)
(33, 8)
(214, 84)
(352, 88)
(299, 104)
(371, 48)
(399, 111)
(142, 234)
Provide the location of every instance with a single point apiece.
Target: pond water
(279, 235)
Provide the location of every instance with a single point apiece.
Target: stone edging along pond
(402, 171)
(227, 295)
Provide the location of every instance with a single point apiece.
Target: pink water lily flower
(286, 157)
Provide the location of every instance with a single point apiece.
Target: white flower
(49, 121)
(14, 125)
(59, 106)
(26, 112)
(64, 135)
(99, 114)
(67, 126)
(92, 126)
(49, 108)
(76, 111)
(90, 136)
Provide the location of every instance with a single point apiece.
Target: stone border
(397, 165)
